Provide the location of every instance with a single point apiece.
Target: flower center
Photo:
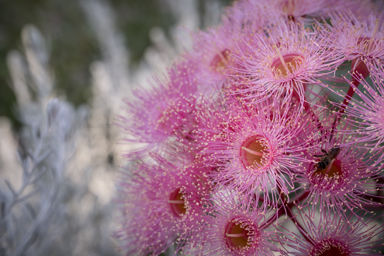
(253, 152)
(288, 7)
(177, 203)
(220, 61)
(330, 248)
(286, 64)
(333, 251)
(367, 42)
(164, 120)
(239, 235)
(333, 169)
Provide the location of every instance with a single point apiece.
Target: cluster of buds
(240, 149)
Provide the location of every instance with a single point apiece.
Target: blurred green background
(71, 42)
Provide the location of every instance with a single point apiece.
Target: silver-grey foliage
(57, 173)
(47, 203)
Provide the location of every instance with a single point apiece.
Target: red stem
(361, 69)
(271, 219)
(349, 96)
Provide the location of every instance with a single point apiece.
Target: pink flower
(282, 61)
(296, 9)
(292, 9)
(164, 111)
(242, 124)
(238, 230)
(161, 205)
(213, 48)
(211, 53)
(254, 147)
(367, 114)
(359, 38)
(339, 177)
(331, 235)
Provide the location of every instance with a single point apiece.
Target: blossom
(332, 235)
(367, 115)
(254, 147)
(243, 123)
(163, 111)
(282, 61)
(212, 50)
(161, 204)
(359, 38)
(299, 9)
(292, 9)
(236, 229)
(343, 180)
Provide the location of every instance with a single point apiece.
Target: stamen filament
(176, 201)
(373, 34)
(290, 7)
(252, 152)
(281, 58)
(357, 62)
(329, 166)
(375, 29)
(221, 55)
(235, 235)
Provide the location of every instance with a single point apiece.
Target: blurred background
(65, 67)
(73, 44)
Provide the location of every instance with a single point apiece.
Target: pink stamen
(374, 32)
(281, 58)
(291, 6)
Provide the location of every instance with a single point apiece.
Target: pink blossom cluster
(249, 147)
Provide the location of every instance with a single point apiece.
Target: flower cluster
(242, 133)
